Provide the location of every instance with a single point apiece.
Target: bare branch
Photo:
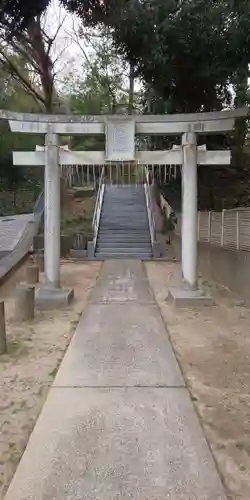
(52, 40)
(17, 75)
(35, 46)
(58, 57)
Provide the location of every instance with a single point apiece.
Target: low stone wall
(68, 242)
(230, 268)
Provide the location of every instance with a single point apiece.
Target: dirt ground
(212, 345)
(35, 350)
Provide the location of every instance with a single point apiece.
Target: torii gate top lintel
(201, 123)
(183, 117)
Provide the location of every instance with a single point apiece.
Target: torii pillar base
(47, 297)
(184, 297)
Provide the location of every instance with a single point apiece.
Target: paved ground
(118, 423)
(11, 230)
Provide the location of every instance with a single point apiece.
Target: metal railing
(149, 202)
(228, 229)
(98, 207)
(38, 211)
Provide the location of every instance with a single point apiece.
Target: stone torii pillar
(190, 293)
(51, 293)
(52, 217)
(52, 157)
(189, 210)
(190, 156)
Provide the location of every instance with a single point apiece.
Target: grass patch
(242, 445)
(77, 224)
(53, 372)
(81, 222)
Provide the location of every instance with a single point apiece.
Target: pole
(52, 212)
(3, 341)
(25, 302)
(189, 210)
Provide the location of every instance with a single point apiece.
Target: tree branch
(17, 75)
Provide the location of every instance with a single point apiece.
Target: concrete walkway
(118, 423)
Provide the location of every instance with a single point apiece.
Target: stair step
(123, 248)
(121, 231)
(113, 208)
(124, 231)
(112, 229)
(125, 222)
(124, 238)
(116, 216)
(114, 250)
(124, 215)
(126, 210)
(104, 256)
(123, 241)
(123, 244)
(124, 228)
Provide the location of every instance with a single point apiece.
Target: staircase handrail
(149, 202)
(98, 207)
(38, 211)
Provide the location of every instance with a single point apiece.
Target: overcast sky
(68, 48)
(66, 51)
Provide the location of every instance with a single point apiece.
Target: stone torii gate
(120, 133)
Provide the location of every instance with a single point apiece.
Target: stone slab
(12, 229)
(122, 281)
(120, 345)
(120, 290)
(78, 254)
(120, 444)
(126, 268)
(19, 252)
(188, 298)
(52, 298)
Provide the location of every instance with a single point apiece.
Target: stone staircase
(124, 227)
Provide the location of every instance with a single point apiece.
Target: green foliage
(13, 97)
(101, 88)
(187, 52)
(16, 14)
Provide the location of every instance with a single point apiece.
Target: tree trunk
(43, 61)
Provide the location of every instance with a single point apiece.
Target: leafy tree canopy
(16, 14)
(187, 52)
